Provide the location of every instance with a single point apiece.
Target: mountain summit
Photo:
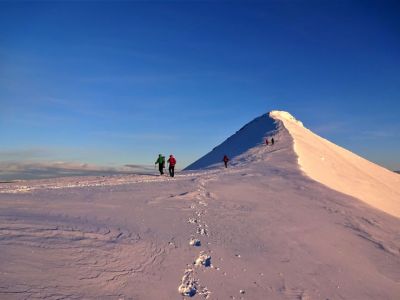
(249, 136)
(318, 158)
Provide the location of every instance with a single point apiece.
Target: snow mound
(249, 136)
(342, 170)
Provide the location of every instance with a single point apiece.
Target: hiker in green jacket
(161, 163)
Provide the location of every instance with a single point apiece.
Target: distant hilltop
(249, 136)
(319, 159)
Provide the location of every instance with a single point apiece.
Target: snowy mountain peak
(284, 115)
(318, 159)
(251, 135)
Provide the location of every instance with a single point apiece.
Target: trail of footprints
(190, 285)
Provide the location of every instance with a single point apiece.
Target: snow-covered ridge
(249, 136)
(319, 159)
(284, 115)
(342, 170)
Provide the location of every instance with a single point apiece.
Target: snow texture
(271, 229)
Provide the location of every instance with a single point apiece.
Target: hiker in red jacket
(225, 160)
(172, 163)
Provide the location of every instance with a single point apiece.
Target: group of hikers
(267, 142)
(226, 158)
(172, 161)
(161, 164)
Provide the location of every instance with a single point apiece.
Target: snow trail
(190, 283)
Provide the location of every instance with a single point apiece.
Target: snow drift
(320, 159)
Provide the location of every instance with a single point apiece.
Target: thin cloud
(42, 170)
(26, 154)
(78, 107)
(44, 110)
(377, 134)
(333, 127)
(135, 136)
(133, 79)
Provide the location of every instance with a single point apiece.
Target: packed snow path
(257, 230)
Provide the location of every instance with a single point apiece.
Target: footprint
(188, 286)
(202, 231)
(203, 260)
(194, 242)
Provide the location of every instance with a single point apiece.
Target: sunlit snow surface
(266, 231)
(343, 170)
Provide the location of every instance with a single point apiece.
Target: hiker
(171, 168)
(225, 160)
(161, 163)
(272, 141)
(266, 142)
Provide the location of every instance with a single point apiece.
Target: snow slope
(259, 229)
(246, 138)
(321, 160)
(341, 169)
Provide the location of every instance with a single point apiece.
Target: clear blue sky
(115, 83)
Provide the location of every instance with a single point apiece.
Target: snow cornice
(284, 116)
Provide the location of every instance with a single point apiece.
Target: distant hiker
(172, 163)
(161, 163)
(272, 141)
(266, 142)
(225, 160)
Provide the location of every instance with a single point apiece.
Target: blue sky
(114, 83)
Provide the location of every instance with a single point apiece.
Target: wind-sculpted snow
(58, 260)
(341, 169)
(259, 229)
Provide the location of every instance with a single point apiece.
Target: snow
(203, 260)
(342, 170)
(246, 138)
(266, 230)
